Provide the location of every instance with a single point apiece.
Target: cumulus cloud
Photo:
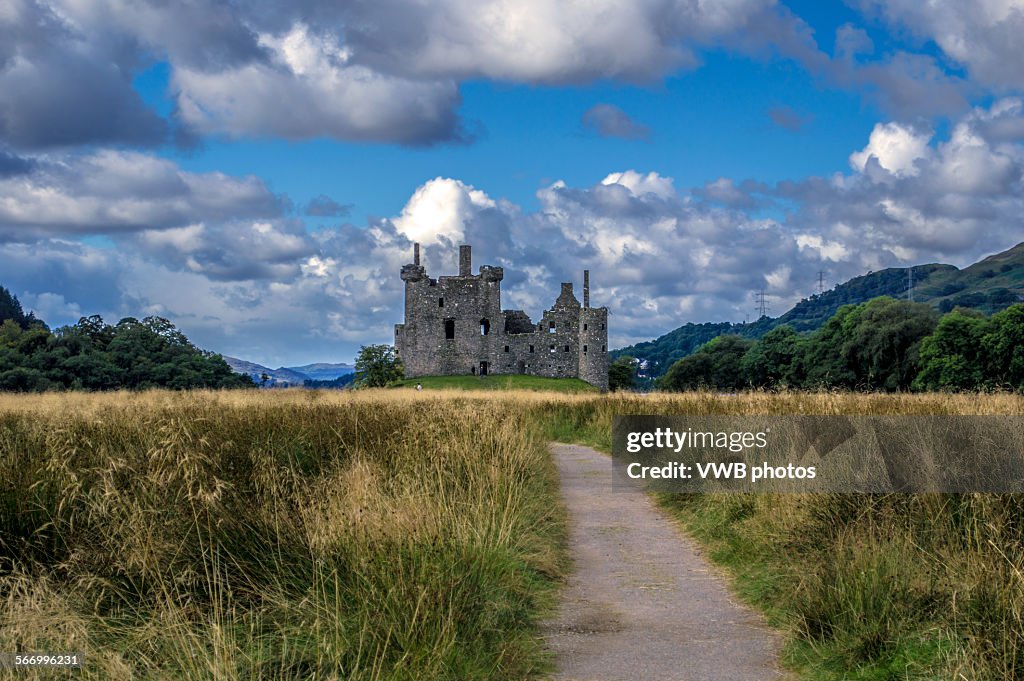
(983, 35)
(235, 251)
(109, 192)
(310, 87)
(894, 147)
(439, 210)
(62, 88)
(913, 198)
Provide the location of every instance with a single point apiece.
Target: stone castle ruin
(454, 325)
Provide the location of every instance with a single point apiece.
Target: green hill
(991, 285)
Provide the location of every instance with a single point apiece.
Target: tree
(1004, 347)
(953, 356)
(377, 366)
(10, 308)
(716, 365)
(769, 363)
(622, 373)
(873, 345)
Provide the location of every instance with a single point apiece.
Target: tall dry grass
(288, 535)
(405, 535)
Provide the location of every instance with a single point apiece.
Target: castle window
(584, 349)
(584, 327)
(531, 348)
(506, 348)
(602, 327)
(551, 328)
(485, 327)
(440, 302)
(449, 329)
(602, 348)
(567, 348)
(552, 348)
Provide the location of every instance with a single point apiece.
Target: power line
(821, 281)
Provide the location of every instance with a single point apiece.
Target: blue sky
(257, 172)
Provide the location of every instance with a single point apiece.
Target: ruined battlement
(454, 325)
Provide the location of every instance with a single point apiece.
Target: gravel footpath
(642, 602)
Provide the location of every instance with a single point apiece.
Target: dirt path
(642, 602)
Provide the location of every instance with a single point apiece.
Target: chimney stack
(416, 254)
(586, 288)
(465, 261)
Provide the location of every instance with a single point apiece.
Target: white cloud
(983, 35)
(438, 211)
(639, 184)
(107, 192)
(895, 146)
(310, 88)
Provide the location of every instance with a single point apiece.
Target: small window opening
(567, 348)
(552, 349)
(584, 349)
(440, 302)
(602, 348)
(602, 327)
(584, 327)
(551, 328)
(485, 327)
(506, 348)
(449, 329)
(531, 348)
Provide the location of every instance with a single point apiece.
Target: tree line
(883, 345)
(94, 355)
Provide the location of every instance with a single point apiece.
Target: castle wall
(569, 341)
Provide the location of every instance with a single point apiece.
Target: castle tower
(593, 367)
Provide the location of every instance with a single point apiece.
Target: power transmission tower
(761, 304)
(910, 284)
(821, 281)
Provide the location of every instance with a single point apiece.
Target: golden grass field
(395, 534)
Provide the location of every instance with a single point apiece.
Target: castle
(455, 325)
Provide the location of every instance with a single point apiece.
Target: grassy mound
(496, 382)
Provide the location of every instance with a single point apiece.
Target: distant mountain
(323, 371)
(988, 286)
(279, 378)
(283, 377)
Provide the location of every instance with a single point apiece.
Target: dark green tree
(718, 364)
(377, 366)
(953, 356)
(769, 363)
(1004, 348)
(10, 308)
(622, 374)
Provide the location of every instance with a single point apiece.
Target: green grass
(498, 382)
